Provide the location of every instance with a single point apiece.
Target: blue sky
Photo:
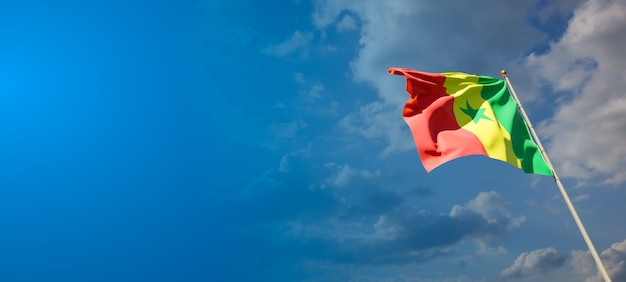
(247, 141)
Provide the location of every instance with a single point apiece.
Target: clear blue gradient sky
(251, 141)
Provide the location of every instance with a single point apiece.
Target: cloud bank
(614, 259)
(534, 263)
(346, 216)
(586, 64)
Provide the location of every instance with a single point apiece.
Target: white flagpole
(572, 210)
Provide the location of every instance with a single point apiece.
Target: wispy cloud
(347, 23)
(297, 41)
(346, 175)
(379, 121)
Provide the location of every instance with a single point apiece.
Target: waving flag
(453, 115)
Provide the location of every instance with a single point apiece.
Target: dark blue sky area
(106, 162)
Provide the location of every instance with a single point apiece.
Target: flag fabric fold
(453, 115)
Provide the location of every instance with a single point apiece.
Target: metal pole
(572, 210)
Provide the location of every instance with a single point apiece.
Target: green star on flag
(475, 114)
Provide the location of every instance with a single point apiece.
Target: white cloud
(296, 42)
(486, 202)
(586, 134)
(490, 206)
(534, 263)
(613, 258)
(475, 41)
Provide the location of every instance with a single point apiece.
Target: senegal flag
(453, 115)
